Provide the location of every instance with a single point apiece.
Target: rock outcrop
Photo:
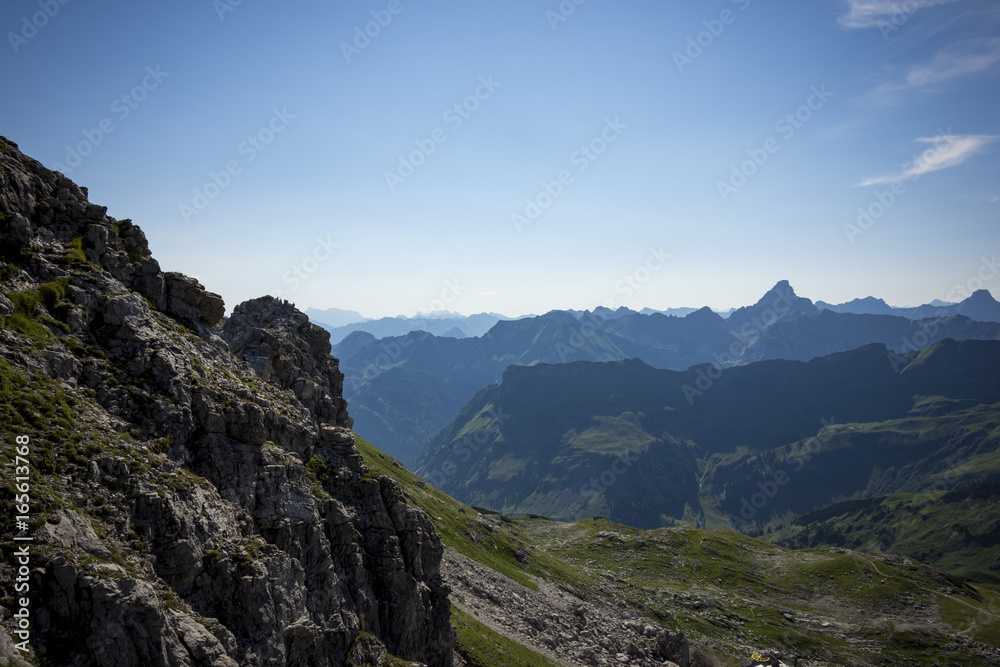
(199, 499)
(283, 347)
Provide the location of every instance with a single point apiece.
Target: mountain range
(980, 305)
(449, 325)
(404, 389)
(760, 446)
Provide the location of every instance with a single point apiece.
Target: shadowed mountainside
(747, 446)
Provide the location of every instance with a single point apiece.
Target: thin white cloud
(876, 13)
(988, 196)
(962, 59)
(947, 150)
(956, 61)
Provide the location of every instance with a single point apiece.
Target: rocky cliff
(196, 495)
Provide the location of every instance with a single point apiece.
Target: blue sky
(636, 153)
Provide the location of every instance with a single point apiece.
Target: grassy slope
(486, 537)
(958, 531)
(725, 590)
(482, 647)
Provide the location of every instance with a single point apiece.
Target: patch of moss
(171, 601)
(75, 256)
(25, 318)
(38, 407)
(316, 469)
(247, 554)
(55, 296)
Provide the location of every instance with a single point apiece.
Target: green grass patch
(74, 254)
(612, 435)
(55, 296)
(507, 467)
(24, 319)
(978, 619)
(483, 647)
(316, 469)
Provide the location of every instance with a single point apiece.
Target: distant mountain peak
(981, 295)
(780, 302)
(704, 313)
(980, 306)
(782, 289)
(869, 305)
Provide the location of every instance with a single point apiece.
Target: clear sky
(525, 155)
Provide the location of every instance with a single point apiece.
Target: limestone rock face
(200, 500)
(187, 298)
(283, 347)
(72, 531)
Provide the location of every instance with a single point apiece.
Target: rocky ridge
(197, 498)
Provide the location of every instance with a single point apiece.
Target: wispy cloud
(988, 196)
(962, 59)
(955, 61)
(947, 150)
(875, 13)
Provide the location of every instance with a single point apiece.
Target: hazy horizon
(459, 314)
(527, 157)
